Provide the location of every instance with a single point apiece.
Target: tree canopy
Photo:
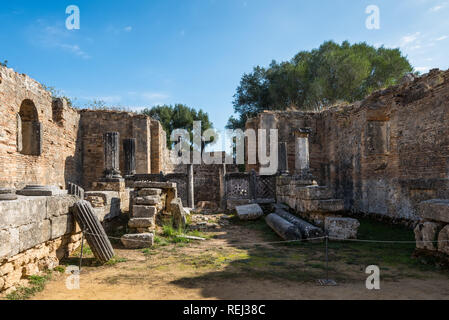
(314, 79)
(179, 116)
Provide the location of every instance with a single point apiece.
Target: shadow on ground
(253, 256)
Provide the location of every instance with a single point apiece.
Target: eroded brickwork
(383, 155)
(95, 123)
(59, 160)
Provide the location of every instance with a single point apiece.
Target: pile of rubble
(292, 227)
(147, 201)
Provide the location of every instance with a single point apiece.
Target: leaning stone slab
(154, 185)
(138, 240)
(341, 228)
(435, 209)
(178, 213)
(144, 211)
(283, 228)
(150, 200)
(141, 223)
(249, 212)
(425, 234)
(149, 192)
(443, 240)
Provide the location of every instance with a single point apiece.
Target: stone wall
(35, 232)
(55, 158)
(383, 155)
(95, 123)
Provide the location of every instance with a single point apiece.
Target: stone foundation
(16, 270)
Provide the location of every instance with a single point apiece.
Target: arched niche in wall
(29, 130)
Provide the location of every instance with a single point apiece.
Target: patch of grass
(172, 235)
(36, 285)
(60, 269)
(114, 260)
(87, 251)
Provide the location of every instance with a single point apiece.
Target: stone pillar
(283, 158)
(129, 148)
(302, 162)
(111, 155)
(252, 184)
(190, 187)
(222, 178)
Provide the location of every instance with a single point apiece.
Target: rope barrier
(302, 240)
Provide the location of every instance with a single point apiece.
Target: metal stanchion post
(82, 248)
(327, 281)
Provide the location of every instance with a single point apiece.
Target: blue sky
(140, 53)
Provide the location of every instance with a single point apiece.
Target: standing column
(111, 155)
(190, 187)
(222, 173)
(129, 148)
(302, 160)
(283, 158)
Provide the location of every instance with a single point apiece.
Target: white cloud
(409, 39)
(128, 29)
(422, 69)
(75, 49)
(438, 7)
(441, 38)
(56, 36)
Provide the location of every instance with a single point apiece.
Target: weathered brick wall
(95, 123)
(382, 155)
(60, 158)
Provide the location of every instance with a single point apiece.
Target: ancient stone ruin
(385, 157)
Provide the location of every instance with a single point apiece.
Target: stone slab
(118, 186)
(231, 204)
(138, 240)
(426, 235)
(141, 223)
(443, 240)
(341, 228)
(435, 209)
(314, 193)
(7, 191)
(41, 191)
(154, 185)
(144, 211)
(325, 206)
(8, 197)
(249, 212)
(149, 192)
(149, 200)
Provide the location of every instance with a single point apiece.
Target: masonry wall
(59, 160)
(35, 233)
(95, 123)
(382, 155)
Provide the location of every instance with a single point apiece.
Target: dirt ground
(231, 265)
